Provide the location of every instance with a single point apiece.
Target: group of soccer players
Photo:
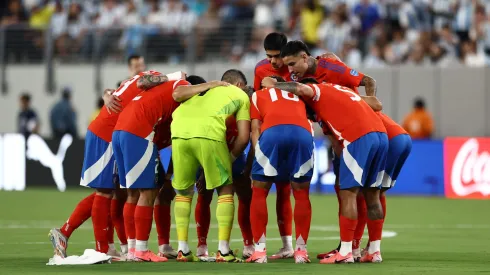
(209, 125)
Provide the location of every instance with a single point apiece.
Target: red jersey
(347, 115)
(392, 128)
(103, 125)
(334, 71)
(264, 69)
(231, 131)
(276, 107)
(148, 108)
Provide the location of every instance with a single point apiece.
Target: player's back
(204, 115)
(347, 114)
(148, 108)
(276, 107)
(104, 123)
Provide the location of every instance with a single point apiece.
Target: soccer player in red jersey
(98, 167)
(273, 65)
(136, 154)
(283, 145)
(241, 184)
(365, 143)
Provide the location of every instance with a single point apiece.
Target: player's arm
(243, 127)
(148, 81)
(373, 102)
(369, 85)
(111, 102)
(183, 93)
(256, 124)
(296, 88)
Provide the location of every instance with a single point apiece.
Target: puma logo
(38, 150)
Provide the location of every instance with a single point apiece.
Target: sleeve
(254, 111)
(343, 75)
(243, 112)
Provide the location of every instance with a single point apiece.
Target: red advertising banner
(467, 168)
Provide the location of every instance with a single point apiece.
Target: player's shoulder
(331, 64)
(263, 65)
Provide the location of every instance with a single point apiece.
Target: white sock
(164, 247)
(345, 248)
(374, 246)
(112, 246)
(131, 243)
(141, 245)
(287, 241)
(224, 247)
(184, 247)
(124, 248)
(300, 243)
(260, 246)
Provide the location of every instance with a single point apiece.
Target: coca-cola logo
(470, 170)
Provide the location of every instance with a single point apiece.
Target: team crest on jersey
(354, 73)
(294, 77)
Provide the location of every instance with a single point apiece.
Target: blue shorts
(284, 152)
(137, 160)
(398, 151)
(98, 163)
(239, 165)
(335, 163)
(363, 161)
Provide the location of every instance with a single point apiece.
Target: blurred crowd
(364, 33)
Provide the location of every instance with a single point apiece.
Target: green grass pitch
(425, 235)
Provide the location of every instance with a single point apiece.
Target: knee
(189, 192)
(225, 190)
(104, 192)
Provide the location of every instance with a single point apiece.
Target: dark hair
(294, 48)
(25, 97)
(234, 76)
(276, 77)
(308, 80)
(419, 103)
(133, 56)
(195, 79)
(274, 41)
(100, 103)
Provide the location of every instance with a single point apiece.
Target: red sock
(161, 214)
(143, 219)
(110, 231)
(337, 192)
(347, 228)
(382, 199)
(375, 229)
(258, 212)
(202, 214)
(361, 221)
(284, 210)
(128, 213)
(82, 212)
(244, 220)
(118, 220)
(100, 219)
(302, 214)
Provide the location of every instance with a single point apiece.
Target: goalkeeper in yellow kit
(199, 140)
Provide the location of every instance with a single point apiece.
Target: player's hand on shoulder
(217, 83)
(111, 102)
(268, 82)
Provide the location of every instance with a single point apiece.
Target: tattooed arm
(296, 88)
(369, 85)
(149, 81)
(183, 93)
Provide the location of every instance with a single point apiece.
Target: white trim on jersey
(316, 97)
(94, 171)
(264, 162)
(254, 101)
(140, 166)
(352, 165)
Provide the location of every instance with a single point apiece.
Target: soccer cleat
(258, 257)
(116, 256)
(322, 256)
(247, 251)
(59, 242)
(130, 257)
(283, 253)
(372, 258)
(167, 252)
(149, 256)
(301, 257)
(227, 258)
(189, 257)
(356, 254)
(338, 259)
(202, 251)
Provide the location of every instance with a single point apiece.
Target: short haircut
(25, 97)
(234, 76)
(195, 79)
(419, 103)
(309, 80)
(294, 48)
(274, 41)
(132, 57)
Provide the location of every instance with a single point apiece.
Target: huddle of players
(283, 148)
